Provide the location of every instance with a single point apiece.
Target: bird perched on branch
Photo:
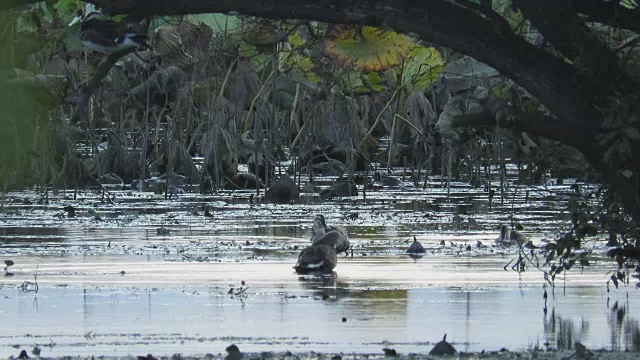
(104, 35)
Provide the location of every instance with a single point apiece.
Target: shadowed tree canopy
(589, 86)
(575, 80)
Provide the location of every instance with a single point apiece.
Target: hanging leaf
(251, 52)
(297, 63)
(422, 68)
(366, 48)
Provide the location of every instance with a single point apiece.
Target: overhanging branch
(608, 12)
(550, 79)
(569, 34)
(95, 82)
(532, 123)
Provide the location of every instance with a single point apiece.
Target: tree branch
(529, 122)
(596, 64)
(549, 79)
(95, 82)
(608, 12)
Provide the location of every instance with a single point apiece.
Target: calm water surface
(110, 285)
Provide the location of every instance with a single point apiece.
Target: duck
(509, 236)
(335, 237)
(103, 35)
(416, 247)
(316, 258)
(385, 181)
(320, 219)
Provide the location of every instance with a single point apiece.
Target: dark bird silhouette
(316, 258)
(443, 348)
(416, 247)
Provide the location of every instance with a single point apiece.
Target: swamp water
(108, 284)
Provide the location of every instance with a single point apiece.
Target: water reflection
(385, 299)
(625, 333)
(409, 319)
(325, 287)
(20, 234)
(561, 333)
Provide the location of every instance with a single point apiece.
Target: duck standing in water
(327, 242)
(335, 237)
(316, 258)
(509, 236)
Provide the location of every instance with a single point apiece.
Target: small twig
(410, 124)
(379, 117)
(233, 66)
(255, 100)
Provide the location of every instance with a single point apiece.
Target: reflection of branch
(95, 82)
(31, 286)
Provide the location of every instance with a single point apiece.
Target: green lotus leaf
(422, 67)
(366, 48)
(296, 40)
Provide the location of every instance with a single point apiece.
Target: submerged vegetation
(214, 92)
